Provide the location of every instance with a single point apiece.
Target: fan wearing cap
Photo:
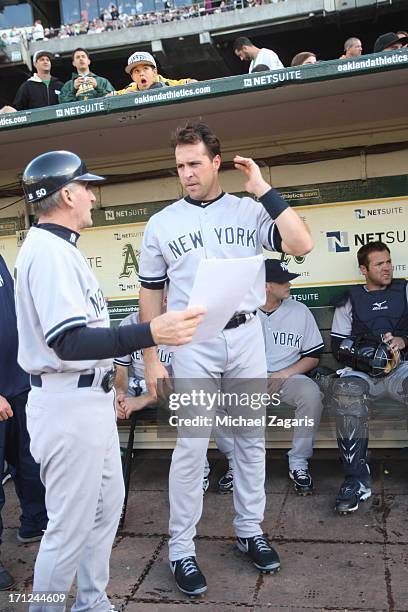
(42, 89)
(293, 345)
(390, 42)
(375, 311)
(142, 68)
(67, 347)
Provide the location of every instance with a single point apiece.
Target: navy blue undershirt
(13, 380)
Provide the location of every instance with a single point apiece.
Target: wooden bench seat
(388, 419)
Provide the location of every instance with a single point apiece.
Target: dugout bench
(388, 419)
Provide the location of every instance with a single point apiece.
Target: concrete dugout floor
(329, 563)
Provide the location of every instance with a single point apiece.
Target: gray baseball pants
(74, 439)
(304, 394)
(235, 354)
(387, 386)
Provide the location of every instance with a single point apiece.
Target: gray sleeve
(132, 319)
(312, 344)
(342, 321)
(152, 266)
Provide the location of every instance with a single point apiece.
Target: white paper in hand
(221, 285)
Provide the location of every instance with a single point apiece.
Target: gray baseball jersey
(290, 333)
(175, 241)
(136, 358)
(178, 237)
(55, 291)
(72, 426)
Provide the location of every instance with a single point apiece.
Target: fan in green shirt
(84, 84)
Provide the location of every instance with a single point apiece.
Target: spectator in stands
(42, 89)
(261, 68)
(14, 35)
(352, 48)
(142, 68)
(3, 42)
(84, 84)
(49, 33)
(247, 52)
(402, 34)
(114, 12)
(38, 31)
(389, 42)
(63, 33)
(304, 57)
(105, 15)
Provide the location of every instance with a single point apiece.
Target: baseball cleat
(302, 481)
(263, 556)
(188, 576)
(6, 580)
(28, 538)
(351, 492)
(226, 482)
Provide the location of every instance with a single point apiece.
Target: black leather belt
(84, 380)
(238, 319)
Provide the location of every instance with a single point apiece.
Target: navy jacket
(13, 380)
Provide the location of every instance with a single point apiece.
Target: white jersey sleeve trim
(314, 349)
(64, 326)
(271, 243)
(270, 236)
(123, 361)
(153, 279)
(337, 335)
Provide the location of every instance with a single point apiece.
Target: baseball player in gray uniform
(209, 223)
(293, 345)
(126, 386)
(65, 344)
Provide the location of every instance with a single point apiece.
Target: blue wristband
(273, 203)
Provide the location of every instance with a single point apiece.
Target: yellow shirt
(160, 79)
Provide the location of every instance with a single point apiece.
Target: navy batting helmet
(49, 172)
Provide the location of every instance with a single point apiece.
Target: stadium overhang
(294, 113)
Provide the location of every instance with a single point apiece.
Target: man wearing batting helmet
(66, 346)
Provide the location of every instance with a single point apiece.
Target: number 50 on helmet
(49, 172)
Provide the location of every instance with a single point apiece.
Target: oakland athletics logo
(131, 263)
(299, 259)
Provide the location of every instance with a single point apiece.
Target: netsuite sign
(339, 241)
